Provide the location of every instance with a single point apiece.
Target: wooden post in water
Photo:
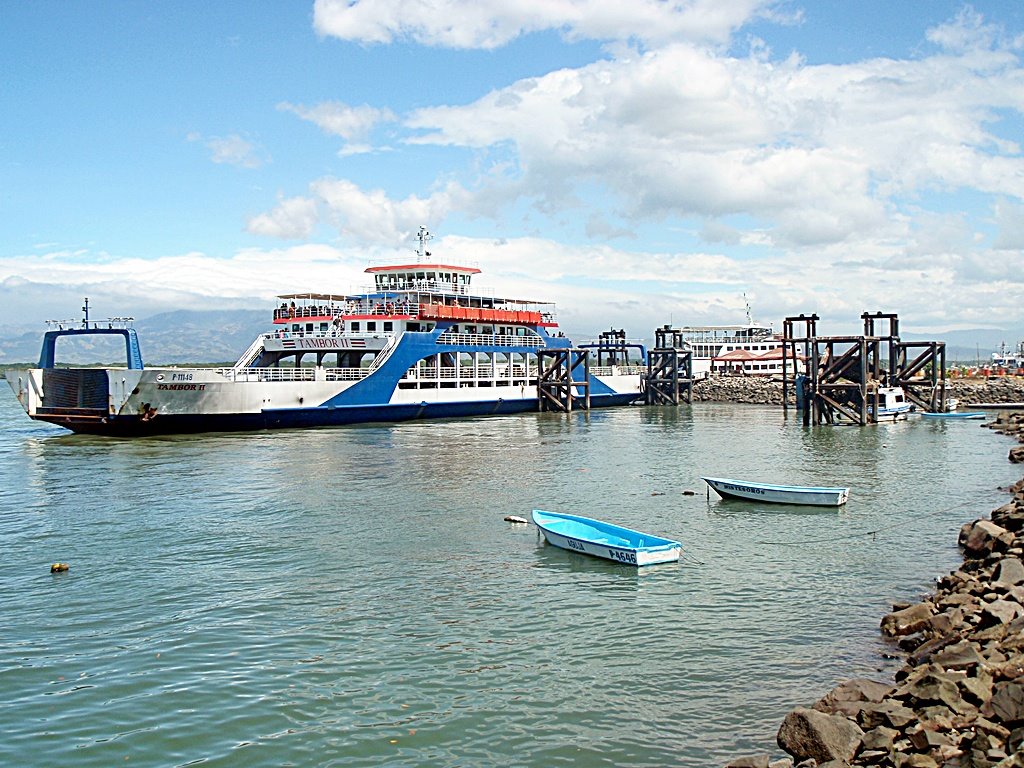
(669, 376)
(557, 388)
(923, 377)
(793, 349)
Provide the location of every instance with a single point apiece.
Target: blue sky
(636, 162)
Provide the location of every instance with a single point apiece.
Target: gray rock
(980, 537)
(931, 689)
(879, 739)
(1008, 703)
(908, 621)
(1009, 572)
(807, 733)
(958, 656)
(927, 650)
(750, 761)
(889, 712)
(978, 688)
(846, 698)
(1000, 612)
(925, 739)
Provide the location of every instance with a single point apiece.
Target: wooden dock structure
(559, 385)
(845, 373)
(669, 378)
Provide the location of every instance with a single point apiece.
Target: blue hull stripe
(295, 418)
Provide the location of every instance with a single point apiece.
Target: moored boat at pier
(419, 343)
(893, 404)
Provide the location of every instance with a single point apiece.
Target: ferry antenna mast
(424, 237)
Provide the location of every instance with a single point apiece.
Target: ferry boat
(420, 343)
(750, 349)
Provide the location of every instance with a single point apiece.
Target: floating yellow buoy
(59, 567)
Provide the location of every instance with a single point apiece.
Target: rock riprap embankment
(762, 390)
(958, 701)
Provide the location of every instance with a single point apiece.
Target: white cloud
(812, 154)
(1009, 218)
(52, 286)
(293, 218)
(232, 150)
(594, 287)
(374, 217)
(340, 119)
(493, 23)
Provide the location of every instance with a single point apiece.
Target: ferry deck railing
(486, 372)
(405, 306)
(490, 339)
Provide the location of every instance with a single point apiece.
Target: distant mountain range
(168, 338)
(220, 336)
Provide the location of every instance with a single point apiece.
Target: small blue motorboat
(818, 496)
(607, 540)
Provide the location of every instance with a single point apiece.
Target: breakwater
(958, 700)
(762, 390)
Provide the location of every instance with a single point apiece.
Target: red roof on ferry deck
(420, 267)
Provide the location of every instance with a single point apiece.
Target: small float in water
(954, 415)
(778, 494)
(607, 540)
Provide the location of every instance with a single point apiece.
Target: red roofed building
(749, 363)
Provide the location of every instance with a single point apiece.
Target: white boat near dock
(893, 404)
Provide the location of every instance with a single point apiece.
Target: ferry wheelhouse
(422, 342)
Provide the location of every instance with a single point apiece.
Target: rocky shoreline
(958, 701)
(760, 390)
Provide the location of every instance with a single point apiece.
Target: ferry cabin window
(323, 327)
(309, 327)
(355, 326)
(389, 326)
(296, 327)
(371, 326)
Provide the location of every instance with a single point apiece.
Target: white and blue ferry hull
(173, 400)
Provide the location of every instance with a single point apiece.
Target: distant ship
(751, 349)
(420, 343)
(1012, 360)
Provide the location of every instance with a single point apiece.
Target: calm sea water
(353, 597)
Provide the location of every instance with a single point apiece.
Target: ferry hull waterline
(417, 345)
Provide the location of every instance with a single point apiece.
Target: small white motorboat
(893, 404)
(778, 494)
